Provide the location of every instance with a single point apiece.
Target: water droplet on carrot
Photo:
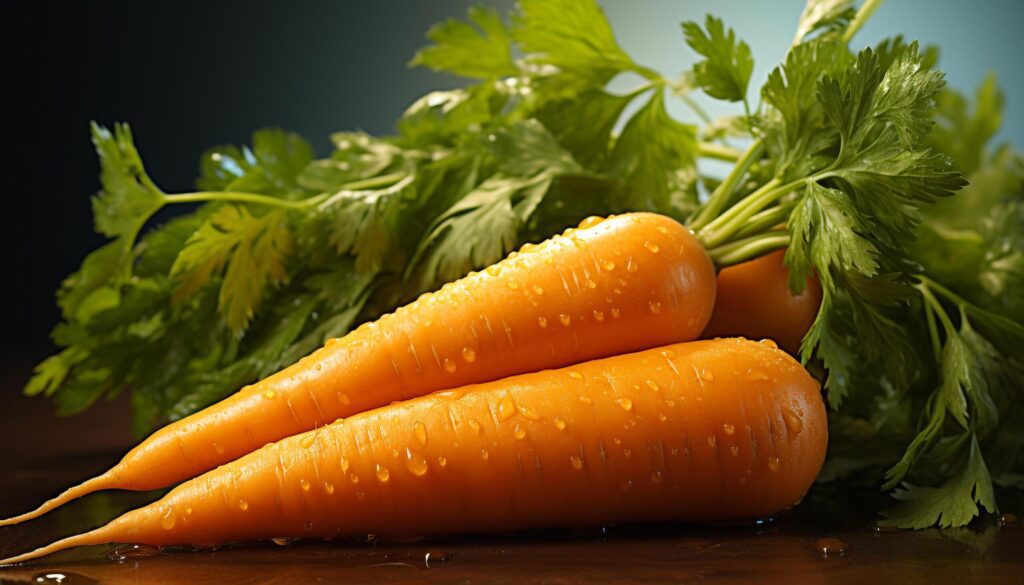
(598, 315)
(591, 284)
(652, 385)
(712, 441)
(590, 222)
(631, 265)
(559, 423)
(420, 431)
(652, 247)
(382, 473)
(328, 488)
(513, 255)
(728, 428)
(415, 463)
(542, 322)
(617, 290)
(282, 541)
(506, 408)
(475, 426)
(243, 505)
(527, 247)
(656, 477)
(565, 319)
(625, 485)
(307, 526)
(493, 270)
(627, 453)
(269, 394)
(343, 398)
(655, 307)
(831, 546)
(468, 354)
(707, 375)
(577, 462)
(774, 464)
(519, 433)
(734, 450)
(576, 375)
(442, 461)
(770, 343)
(668, 354)
(792, 420)
(537, 290)
(218, 448)
(168, 520)
(513, 284)
(449, 365)
(615, 313)
(586, 400)
(756, 376)
(360, 496)
(188, 511)
(484, 454)
(353, 478)
(307, 441)
(662, 417)
(304, 485)
(625, 403)
(670, 403)
(662, 229)
(528, 413)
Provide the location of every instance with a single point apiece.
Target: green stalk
(257, 199)
(765, 219)
(718, 152)
(863, 14)
(725, 226)
(720, 196)
(748, 248)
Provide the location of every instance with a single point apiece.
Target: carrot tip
(89, 486)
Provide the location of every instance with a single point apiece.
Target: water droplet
(121, 554)
(475, 426)
(519, 433)
(656, 477)
(590, 222)
(576, 375)
(735, 451)
(774, 464)
(343, 398)
(627, 453)
(565, 319)
(615, 313)
(382, 473)
(528, 413)
(168, 520)
(670, 403)
(188, 511)
(449, 365)
(707, 375)
(831, 546)
(527, 247)
(328, 488)
(712, 441)
(537, 290)
(506, 408)
(318, 366)
(662, 417)
(756, 376)
(484, 454)
(591, 284)
(631, 265)
(586, 400)
(793, 422)
(353, 478)
(513, 255)
(415, 463)
(344, 464)
(559, 423)
(661, 229)
(625, 403)
(770, 343)
(542, 322)
(269, 394)
(304, 485)
(652, 385)
(436, 556)
(307, 441)
(468, 354)
(668, 354)
(282, 541)
(243, 505)
(598, 315)
(218, 448)
(360, 495)
(655, 307)
(577, 462)
(442, 460)
(652, 247)
(625, 485)
(728, 428)
(307, 526)
(493, 270)
(513, 284)
(617, 290)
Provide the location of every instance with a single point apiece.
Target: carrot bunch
(560, 366)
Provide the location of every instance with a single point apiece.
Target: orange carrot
(709, 430)
(612, 286)
(754, 301)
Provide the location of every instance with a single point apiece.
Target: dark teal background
(189, 75)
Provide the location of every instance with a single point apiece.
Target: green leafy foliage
(725, 71)
(483, 52)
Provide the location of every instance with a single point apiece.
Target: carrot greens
(855, 160)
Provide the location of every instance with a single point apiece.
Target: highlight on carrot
(709, 430)
(754, 301)
(611, 286)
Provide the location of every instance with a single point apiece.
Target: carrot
(630, 282)
(708, 430)
(754, 301)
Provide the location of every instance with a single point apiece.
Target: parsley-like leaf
(725, 71)
(128, 198)
(483, 53)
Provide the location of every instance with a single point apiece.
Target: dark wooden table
(40, 455)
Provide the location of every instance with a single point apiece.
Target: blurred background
(189, 75)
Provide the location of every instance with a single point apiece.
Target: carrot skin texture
(612, 286)
(754, 301)
(708, 430)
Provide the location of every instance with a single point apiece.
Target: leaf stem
(718, 152)
(725, 226)
(765, 219)
(720, 196)
(748, 248)
(257, 199)
(863, 14)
